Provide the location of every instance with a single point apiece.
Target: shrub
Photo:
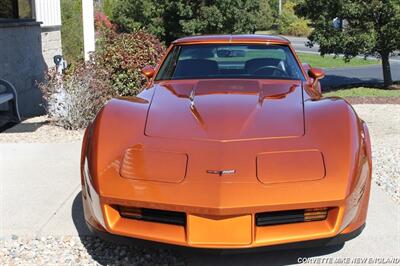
(290, 24)
(298, 28)
(108, 7)
(72, 30)
(124, 55)
(74, 99)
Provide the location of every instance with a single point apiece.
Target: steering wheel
(270, 70)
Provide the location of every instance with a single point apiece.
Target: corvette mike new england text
(351, 260)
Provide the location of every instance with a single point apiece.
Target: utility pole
(280, 7)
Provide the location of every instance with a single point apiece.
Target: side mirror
(148, 72)
(316, 74)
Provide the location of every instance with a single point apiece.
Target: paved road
(299, 45)
(40, 196)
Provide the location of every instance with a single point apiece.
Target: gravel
(73, 250)
(383, 121)
(373, 100)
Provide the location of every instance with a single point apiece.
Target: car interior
(231, 62)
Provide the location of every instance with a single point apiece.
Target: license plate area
(206, 230)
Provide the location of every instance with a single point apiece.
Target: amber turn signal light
(316, 214)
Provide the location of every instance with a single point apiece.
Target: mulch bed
(373, 100)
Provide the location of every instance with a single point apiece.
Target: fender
(126, 114)
(338, 131)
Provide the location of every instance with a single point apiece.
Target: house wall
(51, 44)
(22, 63)
(27, 49)
(48, 12)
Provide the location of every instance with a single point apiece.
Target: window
(16, 9)
(212, 61)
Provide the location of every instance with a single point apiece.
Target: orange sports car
(231, 145)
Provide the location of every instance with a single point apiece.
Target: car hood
(226, 110)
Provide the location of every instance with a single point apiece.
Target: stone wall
(22, 63)
(51, 44)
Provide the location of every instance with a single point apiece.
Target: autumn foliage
(124, 55)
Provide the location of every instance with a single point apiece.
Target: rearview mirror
(148, 72)
(230, 53)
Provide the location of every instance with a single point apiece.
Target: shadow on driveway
(78, 218)
(332, 81)
(22, 126)
(111, 253)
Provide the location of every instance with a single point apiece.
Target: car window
(207, 61)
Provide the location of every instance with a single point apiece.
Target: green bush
(108, 7)
(124, 55)
(290, 24)
(72, 30)
(298, 28)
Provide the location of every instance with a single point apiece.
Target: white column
(88, 27)
(48, 12)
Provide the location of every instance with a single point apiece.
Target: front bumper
(342, 224)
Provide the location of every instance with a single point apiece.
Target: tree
(72, 30)
(290, 24)
(171, 19)
(132, 15)
(369, 28)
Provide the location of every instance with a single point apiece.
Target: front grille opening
(153, 215)
(292, 216)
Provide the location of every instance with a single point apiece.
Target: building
(30, 35)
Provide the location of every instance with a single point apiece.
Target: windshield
(211, 61)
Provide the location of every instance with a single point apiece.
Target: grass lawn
(363, 92)
(328, 61)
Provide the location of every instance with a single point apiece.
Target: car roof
(242, 38)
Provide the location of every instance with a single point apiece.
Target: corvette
(230, 146)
